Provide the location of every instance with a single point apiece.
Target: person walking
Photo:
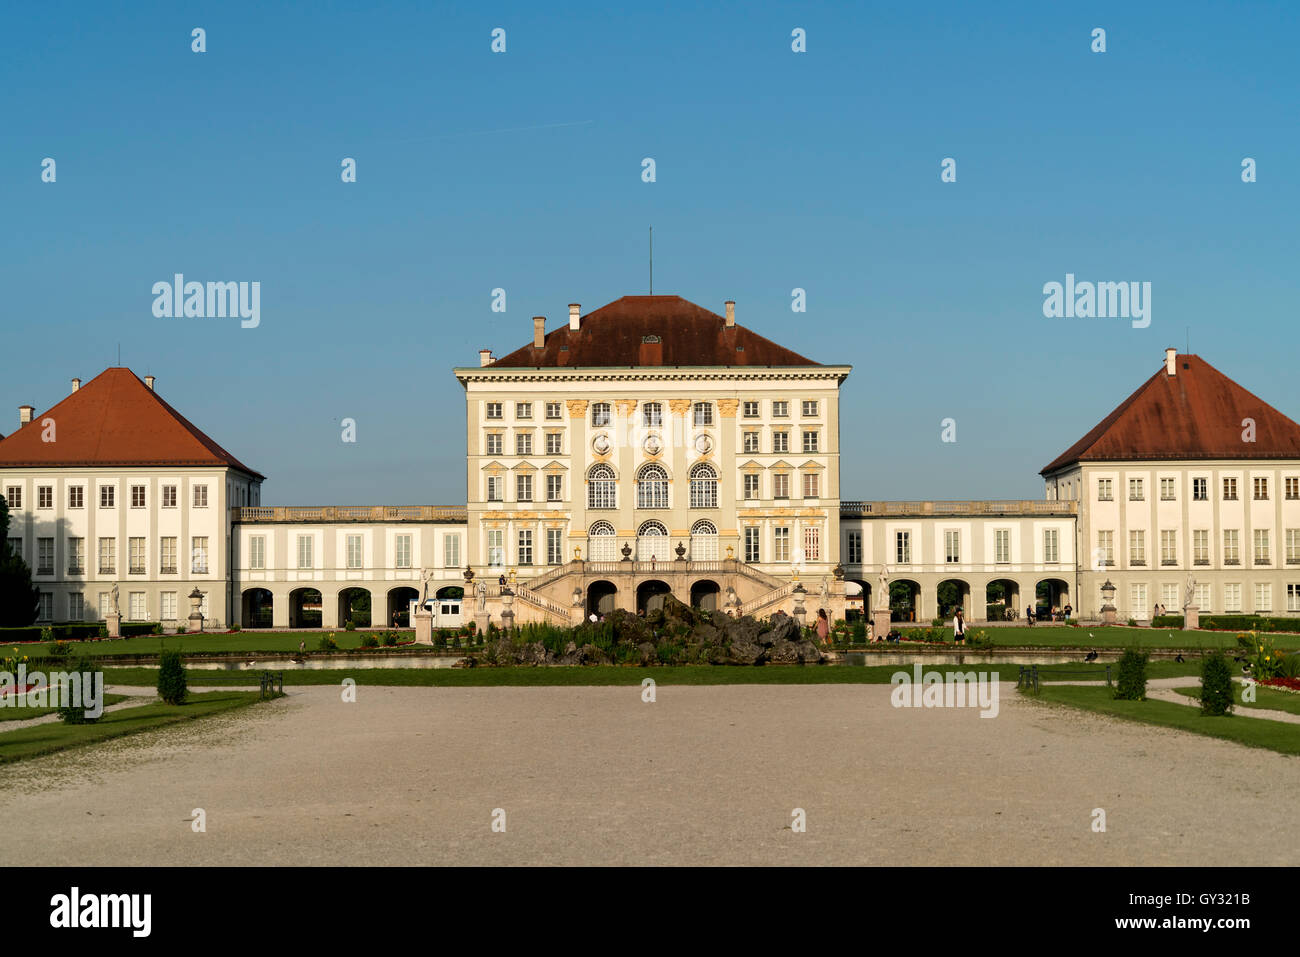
(959, 628)
(1029, 614)
(823, 627)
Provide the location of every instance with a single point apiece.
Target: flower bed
(1281, 684)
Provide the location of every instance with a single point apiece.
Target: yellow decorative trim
(577, 408)
(625, 406)
(679, 406)
(727, 408)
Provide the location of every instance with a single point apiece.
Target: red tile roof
(1195, 414)
(623, 333)
(114, 420)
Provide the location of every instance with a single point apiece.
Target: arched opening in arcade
(857, 600)
(650, 595)
(951, 594)
(904, 600)
(304, 608)
(354, 606)
(399, 606)
(258, 608)
(1051, 595)
(602, 598)
(1002, 600)
(449, 606)
(706, 595)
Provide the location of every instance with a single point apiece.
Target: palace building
(646, 448)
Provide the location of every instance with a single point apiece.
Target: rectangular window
(1051, 545)
(135, 556)
(1293, 597)
(257, 551)
(1263, 598)
(354, 551)
(1170, 597)
(167, 555)
(525, 546)
(703, 413)
(137, 496)
(106, 496)
(781, 544)
(903, 548)
(780, 485)
(167, 610)
(751, 544)
(1230, 490)
(809, 407)
(1201, 595)
(1137, 601)
(494, 488)
(810, 485)
(751, 441)
(780, 409)
(1232, 597)
(554, 443)
(1168, 546)
(1135, 490)
(76, 496)
(523, 410)
(780, 441)
(169, 496)
(76, 556)
(200, 496)
(45, 496)
(750, 483)
(652, 415)
(1002, 546)
(552, 410)
(451, 551)
(1137, 547)
(401, 551)
(1293, 488)
(45, 606)
(1167, 490)
(554, 488)
(1201, 546)
(76, 606)
(1293, 546)
(812, 543)
(1105, 492)
(952, 545)
(854, 548)
(492, 410)
(1261, 489)
(555, 546)
(1200, 490)
(523, 488)
(600, 413)
(523, 443)
(45, 556)
(1263, 556)
(1106, 547)
(810, 441)
(16, 546)
(305, 545)
(199, 555)
(14, 496)
(1230, 543)
(496, 547)
(136, 611)
(493, 443)
(108, 556)
(750, 410)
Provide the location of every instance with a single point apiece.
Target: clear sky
(522, 170)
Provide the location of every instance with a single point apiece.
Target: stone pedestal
(195, 622)
(1191, 617)
(1109, 615)
(481, 619)
(880, 623)
(507, 609)
(113, 621)
(423, 627)
(196, 616)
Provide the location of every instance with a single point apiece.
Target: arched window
(652, 414)
(652, 543)
(704, 542)
(601, 543)
(652, 487)
(601, 487)
(704, 486)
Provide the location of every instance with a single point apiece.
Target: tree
(19, 598)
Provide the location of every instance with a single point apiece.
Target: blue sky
(522, 170)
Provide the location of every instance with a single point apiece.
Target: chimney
(148, 380)
(25, 413)
(1171, 367)
(539, 332)
(484, 357)
(76, 384)
(575, 316)
(731, 313)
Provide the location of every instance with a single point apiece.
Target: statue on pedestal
(113, 607)
(1191, 592)
(480, 597)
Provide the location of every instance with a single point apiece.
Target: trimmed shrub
(349, 625)
(1167, 621)
(132, 629)
(29, 633)
(1216, 685)
(390, 639)
(172, 684)
(1131, 684)
(59, 650)
(370, 641)
(327, 643)
(77, 715)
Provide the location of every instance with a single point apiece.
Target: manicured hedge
(79, 631)
(132, 628)
(1249, 623)
(28, 633)
(1169, 621)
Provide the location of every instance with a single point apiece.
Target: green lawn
(57, 736)
(1265, 698)
(24, 712)
(1252, 732)
(618, 675)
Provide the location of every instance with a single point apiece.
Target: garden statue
(480, 597)
(113, 607)
(1191, 592)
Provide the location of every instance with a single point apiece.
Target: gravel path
(706, 775)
